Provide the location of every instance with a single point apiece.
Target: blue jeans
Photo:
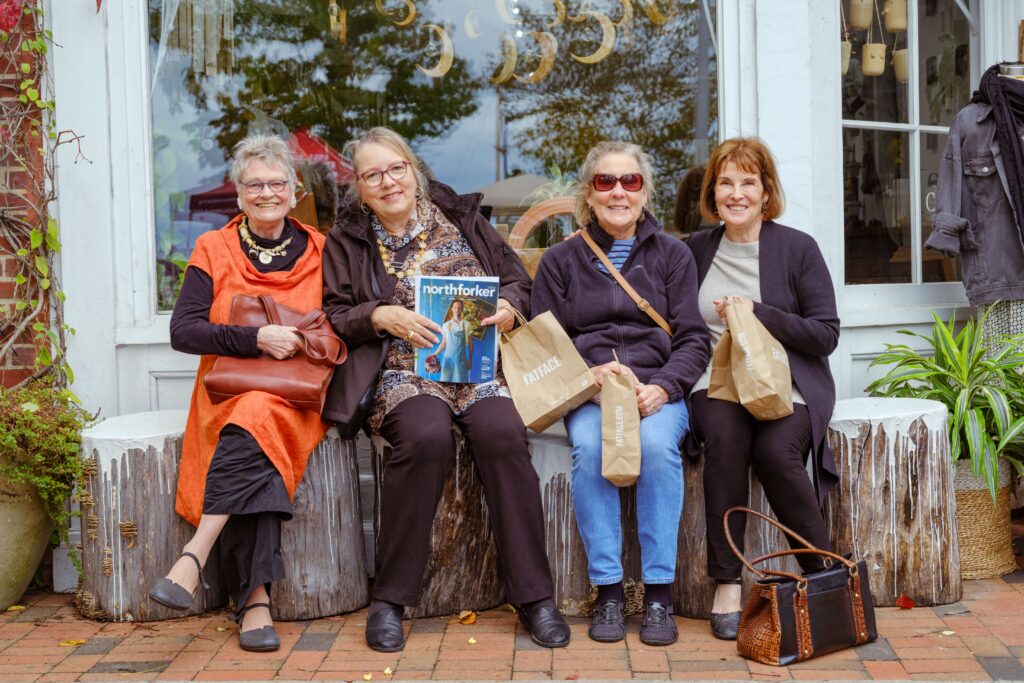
(659, 493)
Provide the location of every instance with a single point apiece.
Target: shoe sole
(721, 636)
(605, 640)
(261, 649)
(660, 643)
(157, 600)
(386, 649)
(551, 646)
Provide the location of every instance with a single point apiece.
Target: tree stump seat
(131, 534)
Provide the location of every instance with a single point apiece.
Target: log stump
(894, 506)
(693, 592)
(552, 458)
(131, 534)
(324, 557)
(462, 569)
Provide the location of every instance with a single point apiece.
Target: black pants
(419, 430)
(777, 450)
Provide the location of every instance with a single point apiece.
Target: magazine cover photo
(467, 352)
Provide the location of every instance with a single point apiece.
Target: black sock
(658, 592)
(612, 591)
(378, 604)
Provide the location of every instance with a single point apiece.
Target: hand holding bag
(790, 618)
(620, 430)
(546, 375)
(302, 379)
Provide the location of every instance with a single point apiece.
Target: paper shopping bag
(546, 375)
(760, 366)
(720, 384)
(620, 430)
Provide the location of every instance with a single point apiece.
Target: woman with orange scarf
(243, 458)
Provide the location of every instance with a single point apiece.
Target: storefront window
(893, 139)
(503, 97)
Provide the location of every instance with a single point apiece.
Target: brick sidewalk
(979, 638)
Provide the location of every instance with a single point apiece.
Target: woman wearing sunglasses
(604, 322)
(779, 274)
(399, 225)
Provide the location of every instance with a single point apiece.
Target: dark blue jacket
(599, 316)
(798, 307)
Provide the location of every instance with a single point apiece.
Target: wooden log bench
(895, 506)
(131, 534)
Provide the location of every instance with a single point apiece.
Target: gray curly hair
(270, 149)
(582, 212)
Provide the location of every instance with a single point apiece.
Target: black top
(191, 329)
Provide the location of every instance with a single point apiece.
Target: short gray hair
(269, 149)
(382, 135)
(582, 212)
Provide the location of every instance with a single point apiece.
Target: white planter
(27, 530)
(895, 14)
(860, 13)
(872, 61)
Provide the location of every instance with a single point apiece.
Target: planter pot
(986, 545)
(872, 61)
(27, 530)
(895, 15)
(899, 64)
(846, 48)
(860, 13)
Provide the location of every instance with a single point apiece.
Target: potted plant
(39, 466)
(979, 382)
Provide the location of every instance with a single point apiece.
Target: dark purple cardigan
(600, 317)
(798, 307)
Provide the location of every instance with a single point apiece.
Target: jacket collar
(351, 219)
(647, 225)
(984, 110)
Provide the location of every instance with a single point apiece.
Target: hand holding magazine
(467, 352)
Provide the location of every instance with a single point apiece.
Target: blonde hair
(382, 135)
(582, 212)
(270, 149)
(752, 156)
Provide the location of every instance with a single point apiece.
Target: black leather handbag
(790, 618)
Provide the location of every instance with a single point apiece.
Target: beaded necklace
(410, 268)
(264, 254)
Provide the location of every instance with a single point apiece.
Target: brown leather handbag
(302, 379)
(790, 618)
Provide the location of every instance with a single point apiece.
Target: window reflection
(503, 96)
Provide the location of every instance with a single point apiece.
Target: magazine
(467, 352)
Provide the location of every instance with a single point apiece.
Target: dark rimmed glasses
(631, 182)
(256, 187)
(396, 170)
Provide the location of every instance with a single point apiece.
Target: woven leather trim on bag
(857, 603)
(760, 632)
(804, 642)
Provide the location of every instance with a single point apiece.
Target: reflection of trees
(288, 66)
(643, 92)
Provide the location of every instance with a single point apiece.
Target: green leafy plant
(40, 439)
(979, 382)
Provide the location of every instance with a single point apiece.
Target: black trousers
(419, 430)
(777, 450)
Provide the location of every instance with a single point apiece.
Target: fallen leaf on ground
(467, 617)
(388, 671)
(903, 602)
(222, 628)
(15, 608)
(949, 633)
(71, 643)
(367, 677)
(572, 677)
(471, 641)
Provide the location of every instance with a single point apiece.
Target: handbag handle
(312, 346)
(810, 548)
(640, 302)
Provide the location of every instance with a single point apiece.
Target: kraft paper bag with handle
(620, 429)
(546, 375)
(758, 367)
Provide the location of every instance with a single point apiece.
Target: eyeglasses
(631, 182)
(396, 170)
(256, 187)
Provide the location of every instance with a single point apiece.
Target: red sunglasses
(631, 182)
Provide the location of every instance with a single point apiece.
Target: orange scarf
(286, 434)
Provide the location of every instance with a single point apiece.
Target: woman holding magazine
(579, 288)
(456, 349)
(396, 226)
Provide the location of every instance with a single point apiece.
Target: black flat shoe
(725, 625)
(384, 630)
(546, 625)
(263, 639)
(658, 626)
(609, 622)
(170, 594)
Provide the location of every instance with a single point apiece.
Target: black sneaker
(609, 622)
(658, 627)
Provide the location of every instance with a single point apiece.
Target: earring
(364, 208)
(764, 207)
(419, 192)
(293, 201)
(240, 207)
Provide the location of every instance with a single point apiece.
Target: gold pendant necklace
(263, 254)
(410, 268)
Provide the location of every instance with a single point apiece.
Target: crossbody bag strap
(641, 303)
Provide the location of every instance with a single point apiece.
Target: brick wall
(17, 182)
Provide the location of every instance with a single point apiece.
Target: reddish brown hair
(752, 156)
